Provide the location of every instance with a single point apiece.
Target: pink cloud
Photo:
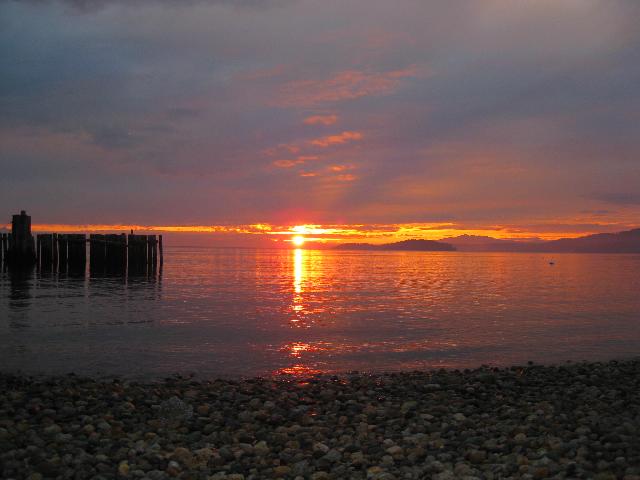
(340, 168)
(321, 120)
(339, 139)
(345, 85)
(296, 161)
(346, 177)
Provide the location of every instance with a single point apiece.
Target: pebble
(530, 422)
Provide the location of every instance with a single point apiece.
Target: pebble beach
(523, 422)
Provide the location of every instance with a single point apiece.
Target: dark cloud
(619, 198)
(91, 6)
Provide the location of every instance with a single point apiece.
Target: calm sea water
(262, 312)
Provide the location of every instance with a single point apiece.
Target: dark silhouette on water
(20, 245)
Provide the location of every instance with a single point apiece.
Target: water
(244, 312)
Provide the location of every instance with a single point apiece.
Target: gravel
(525, 422)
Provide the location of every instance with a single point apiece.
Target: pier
(131, 254)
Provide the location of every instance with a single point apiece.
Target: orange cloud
(340, 168)
(338, 139)
(321, 120)
(346, 177)
(297, 161)
(345, 85)
(308, 174)
(374, 233)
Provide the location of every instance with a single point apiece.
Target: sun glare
(298, 240)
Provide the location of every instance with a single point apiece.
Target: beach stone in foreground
(530, 422)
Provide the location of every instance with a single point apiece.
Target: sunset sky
(358, 118)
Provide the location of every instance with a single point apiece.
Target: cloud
(340, 168)
(91, 6)
(321, 120)
(296, 161)
(339, 139)
(344, 85)
(619, 198)
(347, 177)
(480, 113)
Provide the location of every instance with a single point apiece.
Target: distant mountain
(476, 243)
(622, 242)
(407, 245)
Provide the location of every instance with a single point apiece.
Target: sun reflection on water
(298, 279)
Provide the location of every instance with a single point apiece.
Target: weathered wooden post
(115, 253)
(3, 247)
(54, 256)
(21, 250)
(122, 252)
(38, 254)
(46, 251)
(97, 253)
(149, 259)
(63, 242)
(77, 252)
(137, 254)
(160, 246)
(154, 254)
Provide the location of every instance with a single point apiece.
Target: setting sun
(298, 240)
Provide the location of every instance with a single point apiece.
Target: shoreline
(575, 420)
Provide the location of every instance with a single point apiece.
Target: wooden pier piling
(77, 252)
(115, 253)
(63, 245)
(108, 254)
(45, 256)
(54, 252)
(4, 245)
(21, 250)
(97, 253)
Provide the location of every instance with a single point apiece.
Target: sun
(298, 240)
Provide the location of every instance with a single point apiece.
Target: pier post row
(53, 252)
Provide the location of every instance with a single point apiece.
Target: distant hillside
(406, 245)
(476, 243)
(622, 242)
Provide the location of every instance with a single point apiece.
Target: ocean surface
(245, 312)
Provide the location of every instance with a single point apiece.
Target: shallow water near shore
(246, 312)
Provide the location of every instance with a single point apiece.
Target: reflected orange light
(299, 371)
(297, 270)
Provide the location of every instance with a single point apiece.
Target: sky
(373, 119)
